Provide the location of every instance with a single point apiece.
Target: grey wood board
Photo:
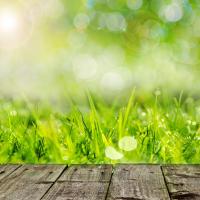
(183, 181)
(88, 182)
(29, 182)
(6, 170)
(139, 182)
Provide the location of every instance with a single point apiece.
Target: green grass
(166, 130)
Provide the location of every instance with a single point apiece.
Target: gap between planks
(54, 182)
(100, 182)
(29, 182)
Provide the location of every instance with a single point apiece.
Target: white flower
(128, 143)
(157, 92)
(112, 153)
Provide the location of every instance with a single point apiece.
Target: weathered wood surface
(29, 182)
(6, 170)
(82, 182)
(138, 182)
(183, 182)
(99, 182)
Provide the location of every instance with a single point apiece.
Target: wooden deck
(120, 182)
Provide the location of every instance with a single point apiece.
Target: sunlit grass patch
(151, 132)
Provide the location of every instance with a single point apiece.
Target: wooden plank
(29, 182)
(183, 181)
(6, 170)
(138, 182)
(87, 173)
(82, 182)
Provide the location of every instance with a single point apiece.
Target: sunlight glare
(9, 21)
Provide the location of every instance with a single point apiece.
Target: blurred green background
(84, 58)
(50, 49)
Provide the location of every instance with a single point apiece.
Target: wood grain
(138, 182)
(93, 182)
(29, 182)
(87, 173)
(6, 170)
(183, 181)
(82, 182)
